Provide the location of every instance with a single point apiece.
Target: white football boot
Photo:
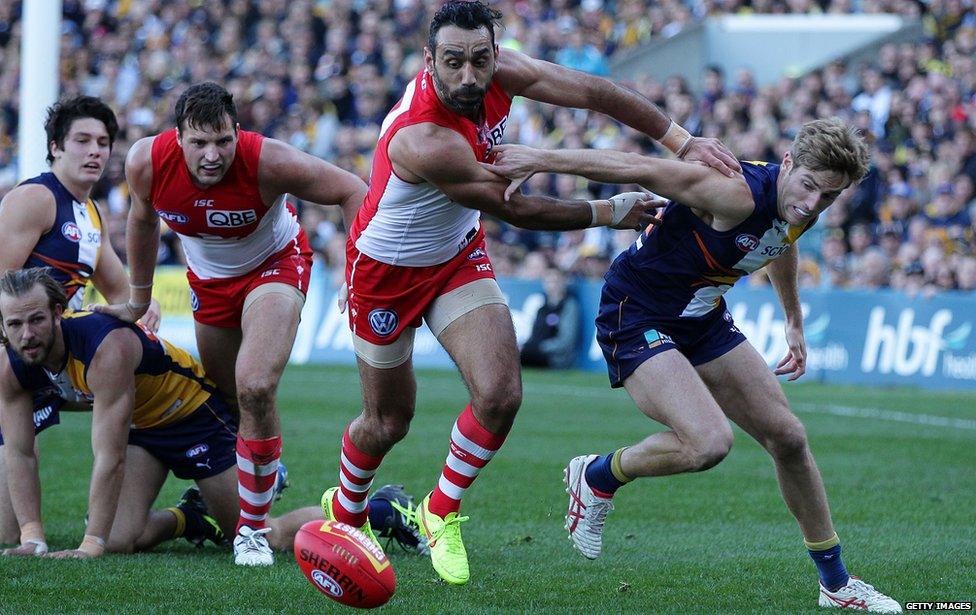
(587, 511)
(251, 548)
(858, 595)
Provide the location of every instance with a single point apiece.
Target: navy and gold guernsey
(666, 291)
(178, 414)
(72, 245)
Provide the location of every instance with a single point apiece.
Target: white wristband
(676, 139)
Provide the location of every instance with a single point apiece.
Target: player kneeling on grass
(670, 341)
(154, 411)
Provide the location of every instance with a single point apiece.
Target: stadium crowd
(321, 75)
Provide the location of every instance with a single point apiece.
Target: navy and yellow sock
(189, 522)
(830, 566)
(605, 475)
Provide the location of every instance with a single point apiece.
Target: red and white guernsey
(417, 225)
(226, 229)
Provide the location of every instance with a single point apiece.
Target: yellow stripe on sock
(830, 543)
(180, 521)
(618, 471)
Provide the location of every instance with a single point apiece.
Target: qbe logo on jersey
(217, 218)
(383, 321)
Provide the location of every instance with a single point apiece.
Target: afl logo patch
(747, 242)
(194, 301)
(71, 232)
(383, 321)
(199, 449)
(476, 254)
(171, 216)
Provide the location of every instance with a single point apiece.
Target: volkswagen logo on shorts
(327, 583)
(194, 301)
(383, 321)
(747, 242)
(199, 449)
(71, 232)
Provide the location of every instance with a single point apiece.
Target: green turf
(903, 494)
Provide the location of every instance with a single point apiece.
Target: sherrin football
(344, 564)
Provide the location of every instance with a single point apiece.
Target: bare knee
(498, 405)
(788, 442)
(256, 397)
(708, 447)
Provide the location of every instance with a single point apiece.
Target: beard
(40, 357)
(464, 101)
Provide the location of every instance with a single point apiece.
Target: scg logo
(230, 219)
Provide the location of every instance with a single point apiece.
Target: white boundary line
(892, 416)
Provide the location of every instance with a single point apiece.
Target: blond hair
(832, 145)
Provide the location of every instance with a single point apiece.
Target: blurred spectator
(556, 328)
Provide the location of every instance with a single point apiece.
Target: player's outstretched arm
(692, 185)
(26, 213)
(522, 75)
(112, 282)
(286, 169)
(783, 276)
(141, 236)
(111, 376)
(17, 424)
(426, 152)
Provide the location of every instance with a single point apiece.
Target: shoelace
(252, 540)
(868, 589)
(411, 525)
(454, 527)
(600, 509)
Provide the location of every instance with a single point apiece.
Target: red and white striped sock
(257, 470)
(356, 471)
(472, 447)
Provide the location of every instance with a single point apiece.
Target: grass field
(900, 469)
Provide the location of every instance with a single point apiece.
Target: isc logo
(229, 219)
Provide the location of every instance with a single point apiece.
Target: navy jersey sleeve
(85, 331)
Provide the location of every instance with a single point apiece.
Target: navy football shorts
(630, 334)
(201, 445)
(46, 412)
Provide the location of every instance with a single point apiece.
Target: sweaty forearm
(24, 485)
(103, 497)
(142, 247)
(606, 166)
(629, 107)
(783, 276)
(544, 213)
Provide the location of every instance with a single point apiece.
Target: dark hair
(203, 106)
(18, 282)
(466, 14)
(61, 114)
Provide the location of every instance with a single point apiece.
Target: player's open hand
(128, 311)
(153, 316)
(713, 153)
(515, 162)
(795, 361)
(27, 549)
(635, 210)
(70, 554)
